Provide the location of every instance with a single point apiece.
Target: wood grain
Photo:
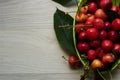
(28, 46)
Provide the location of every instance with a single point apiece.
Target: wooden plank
(39, 76)
(27, 40)
(27, 51)
(28, 47)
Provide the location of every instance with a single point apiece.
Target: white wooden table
(28, 47)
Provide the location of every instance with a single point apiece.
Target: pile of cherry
(97, 37)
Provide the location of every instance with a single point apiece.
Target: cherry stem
(83, 77)
(64, 58)
(66, 26)
(67, 59)
(70, 26)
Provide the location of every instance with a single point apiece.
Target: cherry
(91, 54)
(83, 47)
(74, 62)
(103, 35)
(92, 7)
(100, 14)
(88, 24)
(105, 4)
(79, 27)
(112, 35)
(97, 36)
(98, 23)
(96, 64)
(107, 25)
(95, 43)
(107, 45)
(81, 17)
(91, 18)
(108, 58)
(116, 24)
(115, 8)
(116, 48)
(82, 36)
(99, 50)
(100, 55)
(92, 33)
(84, 9)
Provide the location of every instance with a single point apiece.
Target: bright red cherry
(92, 33)
(112, 35)
(91, 54)
(74, 62)
(103, 35)
(83, 47)
(98, 23)
(82, 36)
(107, 45)
(92, 7)
(116, 24)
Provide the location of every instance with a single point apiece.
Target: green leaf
(62, 2)
(116, 64)
(105, 74)
(63, 29)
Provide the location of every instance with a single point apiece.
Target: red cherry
(107, 45)
(88, 24)
(95, 43)
(92, 33)
(91, 18)
(100, 55)
(100, 14)
(116, 24)
(79, 27)
(92, 7)
(115, 8)
(108, 58)
(91, 54)
(81, 17)
(82, 36)
(84, 9)
(112, 35)
(116, 48)
(107, 25)
(74, 62)
(103, 35)
(105, 4)
(99, 50)
(98, 23)
(83, 47)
